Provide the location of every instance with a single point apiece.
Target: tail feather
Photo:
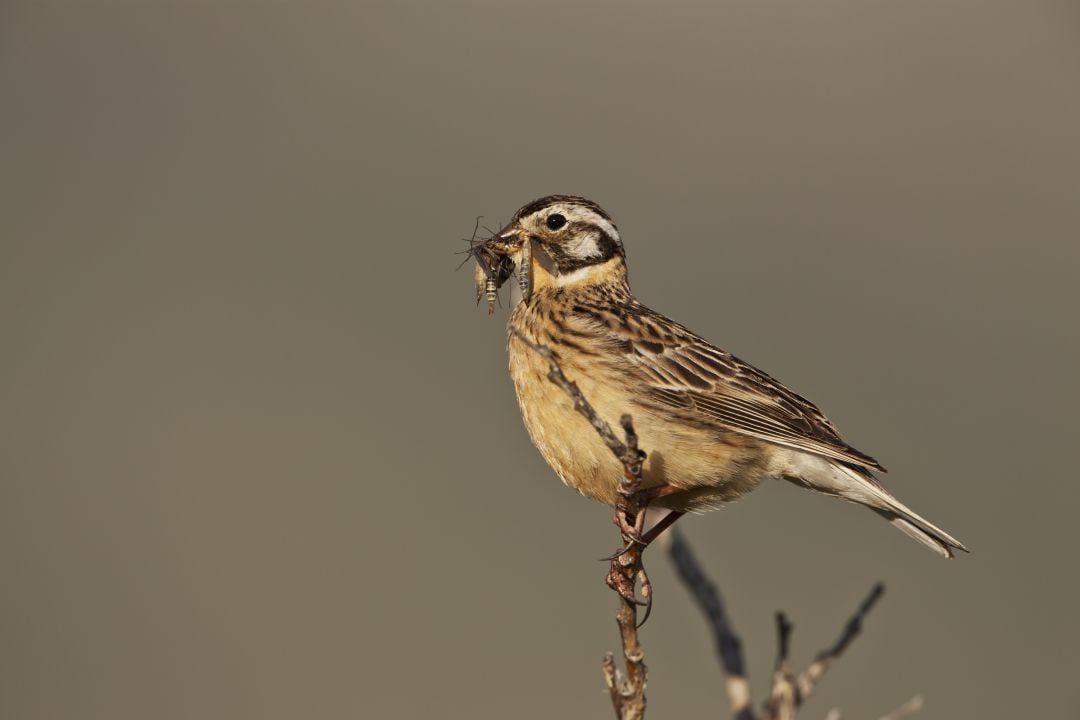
(907, 520)
(859, 486)
(931, 536)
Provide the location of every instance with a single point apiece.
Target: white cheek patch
(584, 247)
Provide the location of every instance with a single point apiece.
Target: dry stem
(909, 708)
(784, 696)
(810, 678)
(627, 693)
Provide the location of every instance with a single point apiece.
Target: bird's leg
(623, 581)
(628, 567)
(632, 525)
(661, 525)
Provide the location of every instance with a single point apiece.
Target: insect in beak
(493, 268)
(524, 270)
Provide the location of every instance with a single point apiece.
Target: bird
(714, 427)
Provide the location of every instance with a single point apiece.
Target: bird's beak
(509, 234)
(514, 239)
(503, 243)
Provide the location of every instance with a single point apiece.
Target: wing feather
(682, 371)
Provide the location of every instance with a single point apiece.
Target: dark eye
(555, 221)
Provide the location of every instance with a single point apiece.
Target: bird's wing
(680, 370)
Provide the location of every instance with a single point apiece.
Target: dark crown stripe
(544, 202)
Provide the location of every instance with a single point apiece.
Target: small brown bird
(714, 426)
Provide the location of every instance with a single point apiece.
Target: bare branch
(626, 570)
(727, 643)
(809, 679)
(784, 695)
(783, 641)
(911, 707)
(614, 683)
(627, 694)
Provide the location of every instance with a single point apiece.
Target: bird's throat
(544, 276)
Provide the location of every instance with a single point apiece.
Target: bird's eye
(555, 221)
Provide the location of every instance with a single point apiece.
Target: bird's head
(559, 241)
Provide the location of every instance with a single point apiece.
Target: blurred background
(259, 452)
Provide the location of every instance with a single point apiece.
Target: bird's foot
(632, 531)
(630, 519)
(623, 577)
(618, 581)
(633, 534)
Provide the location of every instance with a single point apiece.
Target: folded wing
(685, 372)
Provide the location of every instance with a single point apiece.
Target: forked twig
(909, 708)
(810, 678)
(784, 696)
(788, 692)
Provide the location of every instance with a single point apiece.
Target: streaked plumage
(713, 425)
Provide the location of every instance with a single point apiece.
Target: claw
(625, 587)
(618, 554)
(646, 592)
(625, 549)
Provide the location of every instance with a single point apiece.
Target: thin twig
(627, 693)
(783, 642)
(809, 679)
(784, 696)
(625, 569)
(555, 375)
(911, 707)
(727, 642)
(614, 681)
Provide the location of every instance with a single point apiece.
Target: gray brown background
(259, 454)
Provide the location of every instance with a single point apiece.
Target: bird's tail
(858, 485)
(921, 529)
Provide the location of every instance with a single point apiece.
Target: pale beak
(505, 242)
(510, 232)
